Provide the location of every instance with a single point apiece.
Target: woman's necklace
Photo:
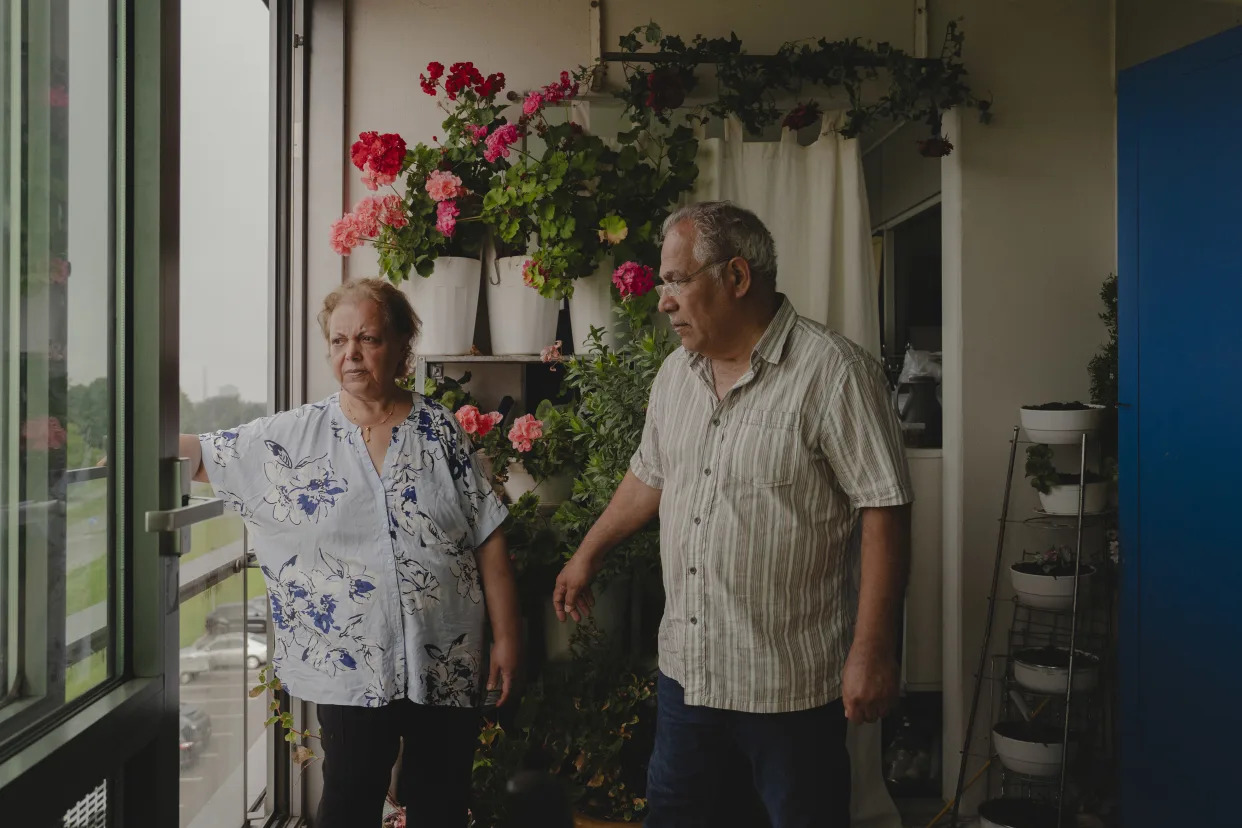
(366, 429)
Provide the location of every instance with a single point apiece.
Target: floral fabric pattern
(372, 577)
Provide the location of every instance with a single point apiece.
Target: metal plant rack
(1079, 629)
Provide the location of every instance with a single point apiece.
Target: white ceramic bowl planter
(1028, 749)
(1063, 499)
(1060, 426)
(1048, 592)
(1046, 670)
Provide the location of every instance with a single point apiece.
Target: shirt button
(694, 620)
(694, 570)
(716, 421)
(707, 471)
(697, 521)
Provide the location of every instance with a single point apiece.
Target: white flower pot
(610, 614)
(1061, 427)
(591, 306)
(1049, 592)
(1033, 670)
(446, 302)
(552, 491)
(1028, 749)
(521, 321)
(1063, 500)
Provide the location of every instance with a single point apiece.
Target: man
(768, 437)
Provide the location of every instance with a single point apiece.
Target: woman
(380, 543)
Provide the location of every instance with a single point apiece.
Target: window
(58, 586)
(225, 370)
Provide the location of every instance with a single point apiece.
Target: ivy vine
(919, 89)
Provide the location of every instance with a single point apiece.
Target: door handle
(191, 511)
(195, 510)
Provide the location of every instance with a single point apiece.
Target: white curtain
(814, 201)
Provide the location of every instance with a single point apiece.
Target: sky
(224, 195)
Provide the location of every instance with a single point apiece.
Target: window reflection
(57, 584)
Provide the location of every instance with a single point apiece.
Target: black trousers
(360, 746)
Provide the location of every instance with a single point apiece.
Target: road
(212, 788)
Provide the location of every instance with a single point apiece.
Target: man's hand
(869, 683)
(572, 594)
(506, 659)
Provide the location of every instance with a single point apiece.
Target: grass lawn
(87, 585)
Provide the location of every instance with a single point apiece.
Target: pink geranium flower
(345, 236)
(366, 216)
(499, 141)
(477, 133)
(633, 279)
(551, 353)
(446, 217)
(468, 418)
(392, 211)
(526, 429)
(475, 422)
(533, 103)
(374, 180)
(489, 421)
(442, 186)
(43, 434)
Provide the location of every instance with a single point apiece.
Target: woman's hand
(500, 594)
(506, 661)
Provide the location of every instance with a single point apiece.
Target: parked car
(227, 650)
(228, 617)
(195, 734)
(192, 663)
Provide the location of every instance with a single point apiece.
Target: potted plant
(1047, 582)
(611, 387)
(1058, 423)
(1046, 670)
(432, 228)
(595, 721)
(1029, 749)
(1059, 491)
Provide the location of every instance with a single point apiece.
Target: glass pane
(224, 380)
(220, 723)
(57, 588)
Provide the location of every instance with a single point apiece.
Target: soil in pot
(1029, 732)
(1058, 406)
(1056, 658)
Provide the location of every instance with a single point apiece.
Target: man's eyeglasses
(674, 286)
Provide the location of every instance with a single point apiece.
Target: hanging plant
(919, 89)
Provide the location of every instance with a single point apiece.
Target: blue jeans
(797, 762)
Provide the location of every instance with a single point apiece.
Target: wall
(1028, 230)
(1150, 28)
(1029, 234)
(367, 54)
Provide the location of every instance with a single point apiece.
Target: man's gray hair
(723, 230)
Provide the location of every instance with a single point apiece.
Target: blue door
(1180, 310)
